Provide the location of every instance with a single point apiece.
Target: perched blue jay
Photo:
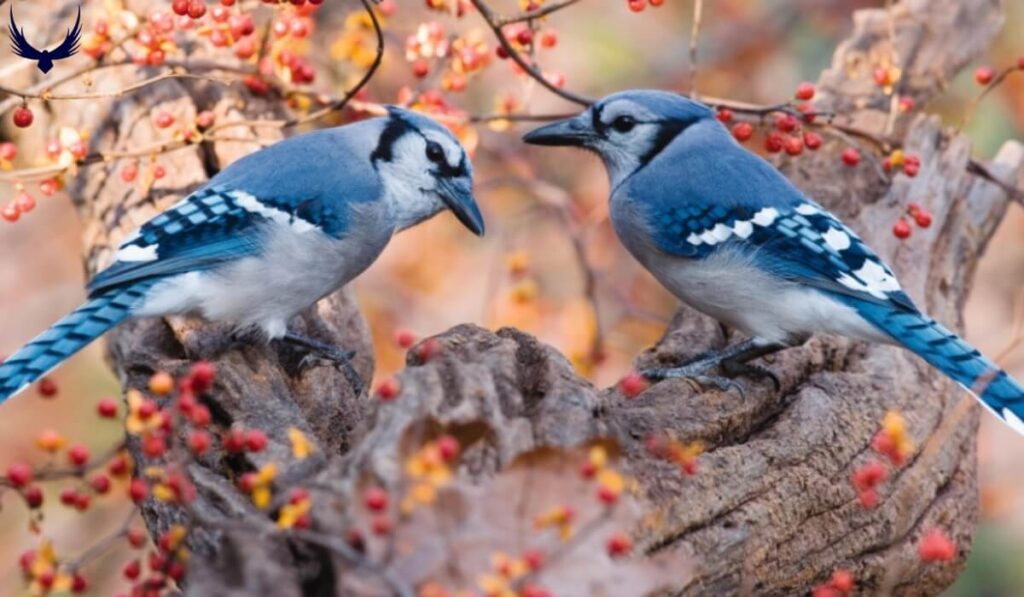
(270, 235)
(725, 232)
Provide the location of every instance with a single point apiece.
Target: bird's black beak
(457, 194)
(575, 131)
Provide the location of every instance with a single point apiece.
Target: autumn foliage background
(527, 272)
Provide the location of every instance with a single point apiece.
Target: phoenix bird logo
(45, 58)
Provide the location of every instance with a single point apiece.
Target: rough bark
(772, 510)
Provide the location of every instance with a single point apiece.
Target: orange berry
(161, 383)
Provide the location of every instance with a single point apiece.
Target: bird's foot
(317, 351)
(732, 360)
(757, 372)
(696, 372)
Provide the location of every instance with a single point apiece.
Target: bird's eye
(624, 123)
(435, 153)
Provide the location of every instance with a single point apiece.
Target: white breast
(296, 269)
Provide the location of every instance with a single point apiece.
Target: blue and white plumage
(270, 235)
(727, 233)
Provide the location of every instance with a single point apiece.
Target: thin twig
(491, 19)
(698, 10)
(536, 13)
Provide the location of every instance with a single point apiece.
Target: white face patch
(136, 253)
(251, 204)
(837, 239)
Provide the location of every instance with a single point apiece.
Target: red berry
(129, 172)
(118, 465)
(200, 415)
(984, 75)
(869, 475)
(202, 376)
(164, 119)
(78, 455)
(376, 499)
(923, 218)
(548, 39)
(405, 338)
(132, 570)
(48, 186)
(774, 142)
(428, 349)
(245, 48)
(842, 581)
(147, 409)
(45, 579)
(804, 91)
(448, 446)
(619, 545)
(138, 490)
(388, 389)
(234, 441)
(23, 117)
(298, 495)
(907, 103)
(136, 537)
(68, 496)
(154, 446)
(47, 387)
(33, 496)
(255, 440)
(8, 151)
(205, 119)
(11, 212)
(824, 591)
(159, 172)
(633, 385)
(724, 115)
(534, 559)
(607, 495)
(381, 525)
(100, 483)
(220, 13)
(812, 140)
(525, 36)
(180, 7)
(868, 498)
(19, 474)
(78, 584)
(851, 157)
(198, 442)
(637, 5)
(794, 145)
(501, 52)
(786, 122)
(935, 546)
(901, 229)
(25, 202)
(420, 68)
(196, 9)
(107, 408)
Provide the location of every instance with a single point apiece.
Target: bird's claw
(723, 384)
(757, 372)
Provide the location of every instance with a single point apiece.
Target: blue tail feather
(66, 337)
(948, 353)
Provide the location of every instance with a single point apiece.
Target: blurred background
(544, 212)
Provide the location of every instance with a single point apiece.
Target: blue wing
(308, 182)
(710, 201)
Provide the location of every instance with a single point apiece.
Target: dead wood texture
(771, 511)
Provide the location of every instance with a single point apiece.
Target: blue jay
(270, 235)
(728, 234)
